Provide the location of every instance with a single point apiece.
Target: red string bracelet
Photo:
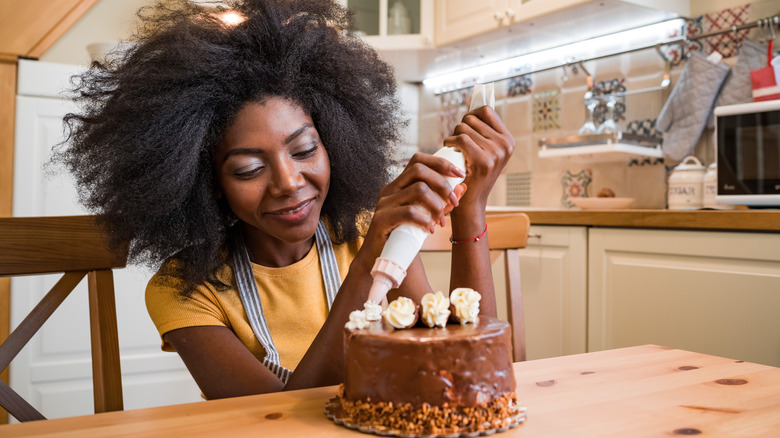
(476, 239)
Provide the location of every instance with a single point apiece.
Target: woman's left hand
(487, 146)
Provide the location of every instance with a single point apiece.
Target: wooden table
(630, 392)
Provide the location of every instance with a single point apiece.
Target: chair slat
(17, 406)
(37, 245)
(106, 368)
(39, 314)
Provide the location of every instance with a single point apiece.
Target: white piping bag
(405, 241)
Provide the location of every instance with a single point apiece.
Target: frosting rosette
(464, 305)
(435, 309)
(373, 311)
(358, 320)
(401, 313)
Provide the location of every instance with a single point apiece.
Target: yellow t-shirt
(293, 298)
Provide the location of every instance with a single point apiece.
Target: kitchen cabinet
(457, 20)
(553, 278)
(460, 19)
(706, 291)
(408, 29)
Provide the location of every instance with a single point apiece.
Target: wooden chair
(507, 234)
(76, 247)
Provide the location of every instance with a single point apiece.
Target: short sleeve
(170, 310)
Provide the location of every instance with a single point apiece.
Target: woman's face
(274, 171)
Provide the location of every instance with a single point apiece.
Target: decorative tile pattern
(677, 53)
(547, 111)
(518, 189)
(644, 128)
(520, 85)
(726, 43)
(605, 88)
(575, 185)
(649, 161)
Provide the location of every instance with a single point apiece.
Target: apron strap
(250, 296)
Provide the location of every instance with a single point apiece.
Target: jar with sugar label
(686, 185)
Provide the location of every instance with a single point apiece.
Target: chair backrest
(76, 247)
(507, 234)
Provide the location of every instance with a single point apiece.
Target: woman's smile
(296, 213)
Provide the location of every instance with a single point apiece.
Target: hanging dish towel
(688, 107)
(738, 87)
(764, 82)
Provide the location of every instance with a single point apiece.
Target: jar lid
(690, 163)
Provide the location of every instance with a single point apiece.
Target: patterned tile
(575, 185)
(676, 53)
(520, 85)
(726, 43)
(605, 88)
(644, 128)
(547, 111)
(518, 189)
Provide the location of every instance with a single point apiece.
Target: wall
(550, 104)
(108, 20)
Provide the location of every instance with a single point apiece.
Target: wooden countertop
(643, 391)
(734, 220)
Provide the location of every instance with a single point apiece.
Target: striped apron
(250, 297)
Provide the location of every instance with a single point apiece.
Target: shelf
(604, 147)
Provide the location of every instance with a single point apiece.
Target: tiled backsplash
(551, 104)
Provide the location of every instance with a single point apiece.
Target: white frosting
(400, 313)
(373, 311)
(466, 304)
(435, 309)
(358, 320)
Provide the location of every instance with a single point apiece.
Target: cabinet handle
(510, 14)
(534, 235)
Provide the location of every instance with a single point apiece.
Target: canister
(686, 185)
(711, 189)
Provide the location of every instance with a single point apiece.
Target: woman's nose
(287, 179)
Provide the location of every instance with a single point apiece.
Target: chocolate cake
(423, 381)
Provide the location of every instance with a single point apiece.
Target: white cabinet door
(711, 292)
(459, 19)
(553, 275)
(54, 370)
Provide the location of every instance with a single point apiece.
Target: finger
(418, 196)
(420, 172)
(459, 190)
(489, 117)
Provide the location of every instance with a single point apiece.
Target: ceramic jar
(711, 189)
(686, 185)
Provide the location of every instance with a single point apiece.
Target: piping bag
(405, 241)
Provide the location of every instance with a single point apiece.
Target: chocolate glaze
(458, 365)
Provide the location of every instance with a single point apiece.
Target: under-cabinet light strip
(568, 54)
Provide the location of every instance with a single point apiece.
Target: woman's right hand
(419, 196)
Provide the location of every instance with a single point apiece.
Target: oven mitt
(685, 112)
(738, 87)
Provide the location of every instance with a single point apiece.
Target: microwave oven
(747, 141)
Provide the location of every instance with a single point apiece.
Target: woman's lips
(294, 214)
(292, 210)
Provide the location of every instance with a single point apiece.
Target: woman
(247, 160)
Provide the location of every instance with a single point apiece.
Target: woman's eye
(247, 171)
(307, 153)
